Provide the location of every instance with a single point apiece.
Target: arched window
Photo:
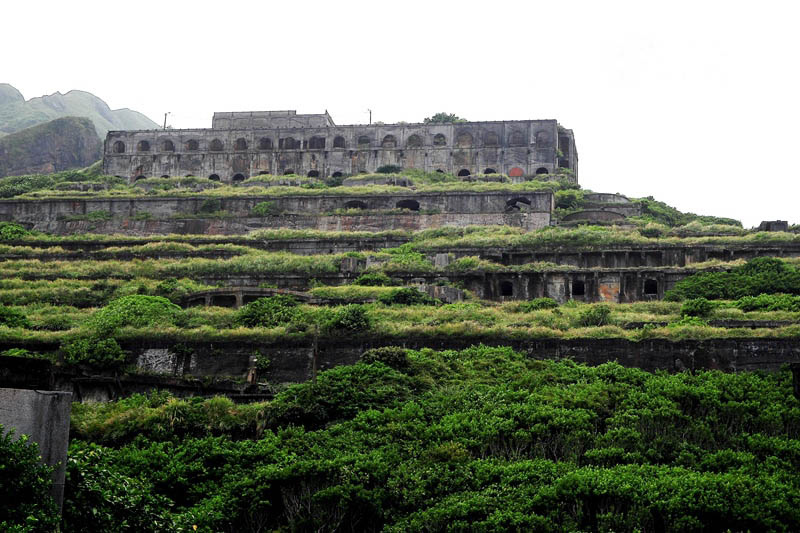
(192, 145)
(516, 139)
(363, 142)
(439, 140)
(336, 175)
(338, 142)
(164, 175)
(241, 144)
(440, 171)
(289, 143)
(578, 288)
(140, 177)
(389, 142)
(650, 287)
(506, 288)
(288, 171)
(216, 146)
(415, 141)
(542, 170)
(464, 139)
(355, 204)
(237, 178)
(491, 139)
(489, 171)
(515, 172)
(313, 173)
(463, 172)
(413, 205)
(167, 146)
(316, 143)
(214, 177)
(542, 137)
(143, 146)
(119, 147)
(265, 143)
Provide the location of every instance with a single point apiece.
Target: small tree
(443, 118)
(269, 312)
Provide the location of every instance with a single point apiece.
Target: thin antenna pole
(370, 115)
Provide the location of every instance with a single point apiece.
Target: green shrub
(210, 205)
(264, 209)
(392, 356)
(699, 307)
(407, 296)
(569, 199)
(596, 315)
(25, 502)
(268, 312)
(537, 304)
(769, 302)
(349, 318)
(11, 318)
(762, 275)
(389, 169)
(688, 320)
(10, 231)
(138, 311)
(375, 279)
(100, 353)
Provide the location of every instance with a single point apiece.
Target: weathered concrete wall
(44, 415)
(235, 150)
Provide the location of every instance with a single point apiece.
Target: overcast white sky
(695, 103)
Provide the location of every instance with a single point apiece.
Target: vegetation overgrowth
(479, 439)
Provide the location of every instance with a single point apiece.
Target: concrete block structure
(240, 145)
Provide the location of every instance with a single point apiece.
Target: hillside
(54, 146)
(17, 114)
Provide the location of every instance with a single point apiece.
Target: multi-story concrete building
(244, 144)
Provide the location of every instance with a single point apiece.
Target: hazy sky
(695, 103)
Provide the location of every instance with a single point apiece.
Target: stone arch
(140, 177)
(216, 146)
(288, 171)
(650, 287)
(316, 143)
(491, 139)
(355, 204)
(241, 144)
(440, 171)
(363, 142)
(214, 177)
(413, 205)
(265, 143)
(464, 140)
(143, 146)
(439, 140)
(263, 173)
(192, 145)
(513, 203)
(119, 147)
(339, 142)
(578, 287)
(463, 172)
(415, 141)
(542, 137)
(390, 141)
(516, 138)
(489, 171)
(237, 178)
(542, 170)
(165, 175)
(506, 288)
(288, 143)
(167, 146)
(336, 175)
(313, 173)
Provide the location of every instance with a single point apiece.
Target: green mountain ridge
(17, 114)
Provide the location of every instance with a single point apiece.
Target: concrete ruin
(242, 145)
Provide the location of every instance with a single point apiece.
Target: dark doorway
(650, 287)
(489, 171)
(237, 178)
(506, 288)
(578, 288)
(408, 204)
(463, 172)
(542, 170)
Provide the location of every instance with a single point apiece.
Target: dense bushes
(769, 302)
(10, 231)
(762, 275)
(596, 315)
(348, 318)
(699, 307)
(138, 311)
(479, 439)
(392, 356)
(11, 318)
(375, 279)
(537, 304)
(95, 351)
(25, 502)
(277, 310)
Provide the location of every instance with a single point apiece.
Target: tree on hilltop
(443, 118)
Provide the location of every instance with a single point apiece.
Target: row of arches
(317, 142)
(578, 288)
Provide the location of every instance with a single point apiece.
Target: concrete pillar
(44, 415)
